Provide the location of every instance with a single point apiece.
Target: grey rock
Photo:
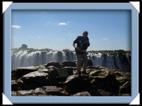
(55, 64)
(84, 93)
(108, 83)
(126, 88)
(68, 64)
(33, 80)
(19, 72)
(54, 91)
(25, 92)
(75, 83)
(14, 85)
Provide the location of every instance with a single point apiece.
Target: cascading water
(23, 58)
(26, 57)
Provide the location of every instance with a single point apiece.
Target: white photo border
(71, 99)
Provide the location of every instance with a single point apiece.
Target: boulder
(126, 88)
(54, 91)
(43, 70)
(19, 72)
(89, 63)
(69, 70)
(122, 77)
(52, 70)
(102, 92)
(118, 74)
(89, 70)
(53, 75)
(99, 73)
(99, 67)
(14, 85)
(55, 64)
(84, 93)
(14, 93)
(24, 93)
(33, 80)
(39, 92)
(107, 84)
(75, 83)
(65, 72)
(68, 64)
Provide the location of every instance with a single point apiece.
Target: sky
(57, 29)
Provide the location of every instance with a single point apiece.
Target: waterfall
(26, 57)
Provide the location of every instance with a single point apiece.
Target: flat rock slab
(19, 72)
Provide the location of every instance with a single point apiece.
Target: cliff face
(113, 59)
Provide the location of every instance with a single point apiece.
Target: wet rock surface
(56, 79)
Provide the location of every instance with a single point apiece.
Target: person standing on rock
(81, 43)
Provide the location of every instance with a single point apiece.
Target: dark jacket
(82, 43)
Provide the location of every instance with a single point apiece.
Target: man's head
(85, 33)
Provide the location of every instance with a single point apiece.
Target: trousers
(82, 61)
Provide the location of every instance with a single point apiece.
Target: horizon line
(74, 49)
